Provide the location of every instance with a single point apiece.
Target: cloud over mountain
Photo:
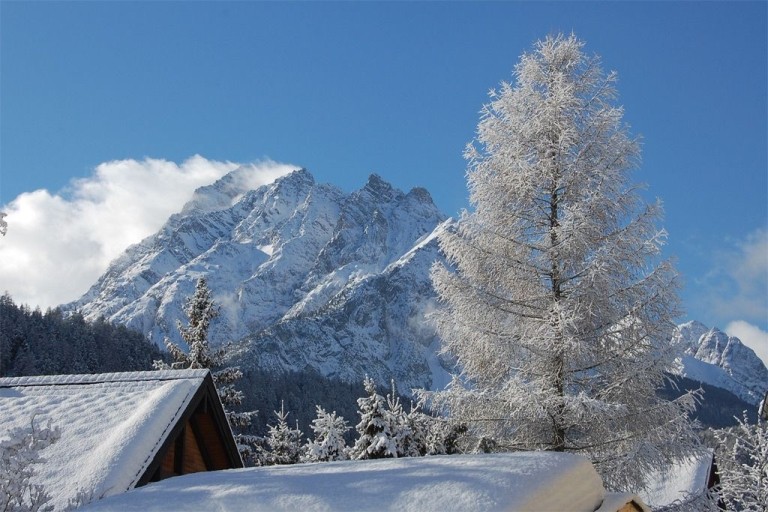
(59, 243)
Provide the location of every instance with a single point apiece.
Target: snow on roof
(684, 479)
(512, 481)
(112, 425)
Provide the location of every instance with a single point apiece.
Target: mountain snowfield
(310, 277)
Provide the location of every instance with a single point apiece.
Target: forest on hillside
(37, 343)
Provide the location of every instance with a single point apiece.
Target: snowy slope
(305, 275)
(713, 357)
(540, 481)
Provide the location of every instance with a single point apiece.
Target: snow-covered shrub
(18, 453)
(329, 443)
(743, 465)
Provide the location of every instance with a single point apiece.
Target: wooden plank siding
(200, 441)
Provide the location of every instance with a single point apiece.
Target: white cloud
(752, 336)
(736, 287)
(57, 245)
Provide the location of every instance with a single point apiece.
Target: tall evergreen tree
(556, 303)
(201, 310)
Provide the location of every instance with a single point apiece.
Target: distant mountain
(307, 277)
(312, 279)
(713, 357)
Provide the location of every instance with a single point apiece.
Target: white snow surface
(112, 425)
(684, 479)
(540, 481)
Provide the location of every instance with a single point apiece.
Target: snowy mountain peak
(225, 191)
(421, 195)
(713, 357)
(305, 276)
(376, 185)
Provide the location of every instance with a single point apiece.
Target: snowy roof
(680, 482)
(538, 481)
(112, 425)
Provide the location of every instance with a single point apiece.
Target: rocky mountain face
(713, 357)
(310, 278)
(306, 277)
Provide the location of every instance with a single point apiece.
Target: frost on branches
(18, 454)
(201, 310)
(555, 302)
(743, 463)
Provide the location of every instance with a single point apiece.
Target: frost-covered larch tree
(201, 310)
(555, 301)
(328, 444)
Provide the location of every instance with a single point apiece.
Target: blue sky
(346, 89)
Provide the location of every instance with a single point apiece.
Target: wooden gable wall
(200, 441)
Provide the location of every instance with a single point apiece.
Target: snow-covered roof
(539, 481)
(112, 425)
(685, 479)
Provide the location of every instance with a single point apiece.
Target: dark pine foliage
(37, 343)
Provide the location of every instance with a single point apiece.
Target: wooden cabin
(120, 430)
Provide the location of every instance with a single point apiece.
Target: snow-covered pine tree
(409, 429)
(329, 443)
(18, 453)
(376, 437)
(201, 310)
(284, 443)
(556, 303)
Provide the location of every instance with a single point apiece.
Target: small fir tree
(376, 436)
(328, 444)
(283, 442)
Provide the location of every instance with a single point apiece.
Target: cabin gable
(200, 441)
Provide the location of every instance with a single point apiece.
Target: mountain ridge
(711, 356)
(285, 262)
(308, 276)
